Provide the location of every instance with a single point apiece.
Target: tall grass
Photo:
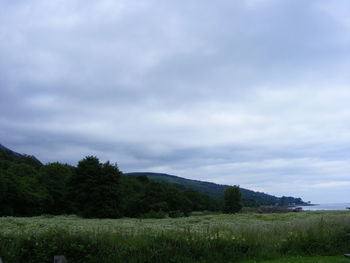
(201, 238)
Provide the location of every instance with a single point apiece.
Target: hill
(249, 197)
(91, 189)
(7, 155)
(4, 149)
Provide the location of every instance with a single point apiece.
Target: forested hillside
(11, 156)
(249, 198)
(95, 189)
(92, 189)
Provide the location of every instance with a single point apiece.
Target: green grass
(198, 238)
(324, 259)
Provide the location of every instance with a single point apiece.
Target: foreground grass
(334, 259)
(199, 238)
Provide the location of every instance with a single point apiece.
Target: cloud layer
(245, 92)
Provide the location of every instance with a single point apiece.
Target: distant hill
(250, 198)
(8, 155)
(3, 148)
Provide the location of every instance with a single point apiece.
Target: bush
(154, 214)
(175, 214)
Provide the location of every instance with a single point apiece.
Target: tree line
(91, 189)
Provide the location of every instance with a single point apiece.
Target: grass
(324, 259)
(198, 238)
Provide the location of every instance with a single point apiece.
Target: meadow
(245, 237)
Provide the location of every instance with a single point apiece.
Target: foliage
(198, 238)
(22, 195)
(94, 189)
(216, 191)
(55, 177)
(11, 156)
(147, 198)
(154, 214)
(308, 259)
(232, 200)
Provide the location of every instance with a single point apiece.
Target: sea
(337, 206)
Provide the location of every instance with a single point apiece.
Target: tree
(23, 195)
(154, 198)
(8, 194)
(232, 200)
(178, 201)
(54, 177)
(94, 189)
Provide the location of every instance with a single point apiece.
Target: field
(201, 237)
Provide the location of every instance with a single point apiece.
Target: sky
(249, 92)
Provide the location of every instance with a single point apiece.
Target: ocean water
(339, 206)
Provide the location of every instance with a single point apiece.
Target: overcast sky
(248, 92)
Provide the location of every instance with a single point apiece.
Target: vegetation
(232, 200)
(198, 238)
(99, 190)
(315, 259)
(216, 191)
(10, 156)
(92, 189)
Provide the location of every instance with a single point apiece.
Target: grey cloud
(250, 92)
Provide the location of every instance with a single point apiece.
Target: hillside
(12, 156)
(250, 198)
(4, 149)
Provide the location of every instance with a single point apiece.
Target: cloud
(247, 92)
(332, 184)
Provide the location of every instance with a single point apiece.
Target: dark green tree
(178, 202)
(154, 198)
(8, 194)
(24, 195)
(54, 177)
(8, 155)
(94, 189)
(232, 200)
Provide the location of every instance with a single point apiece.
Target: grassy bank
(199, 238)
